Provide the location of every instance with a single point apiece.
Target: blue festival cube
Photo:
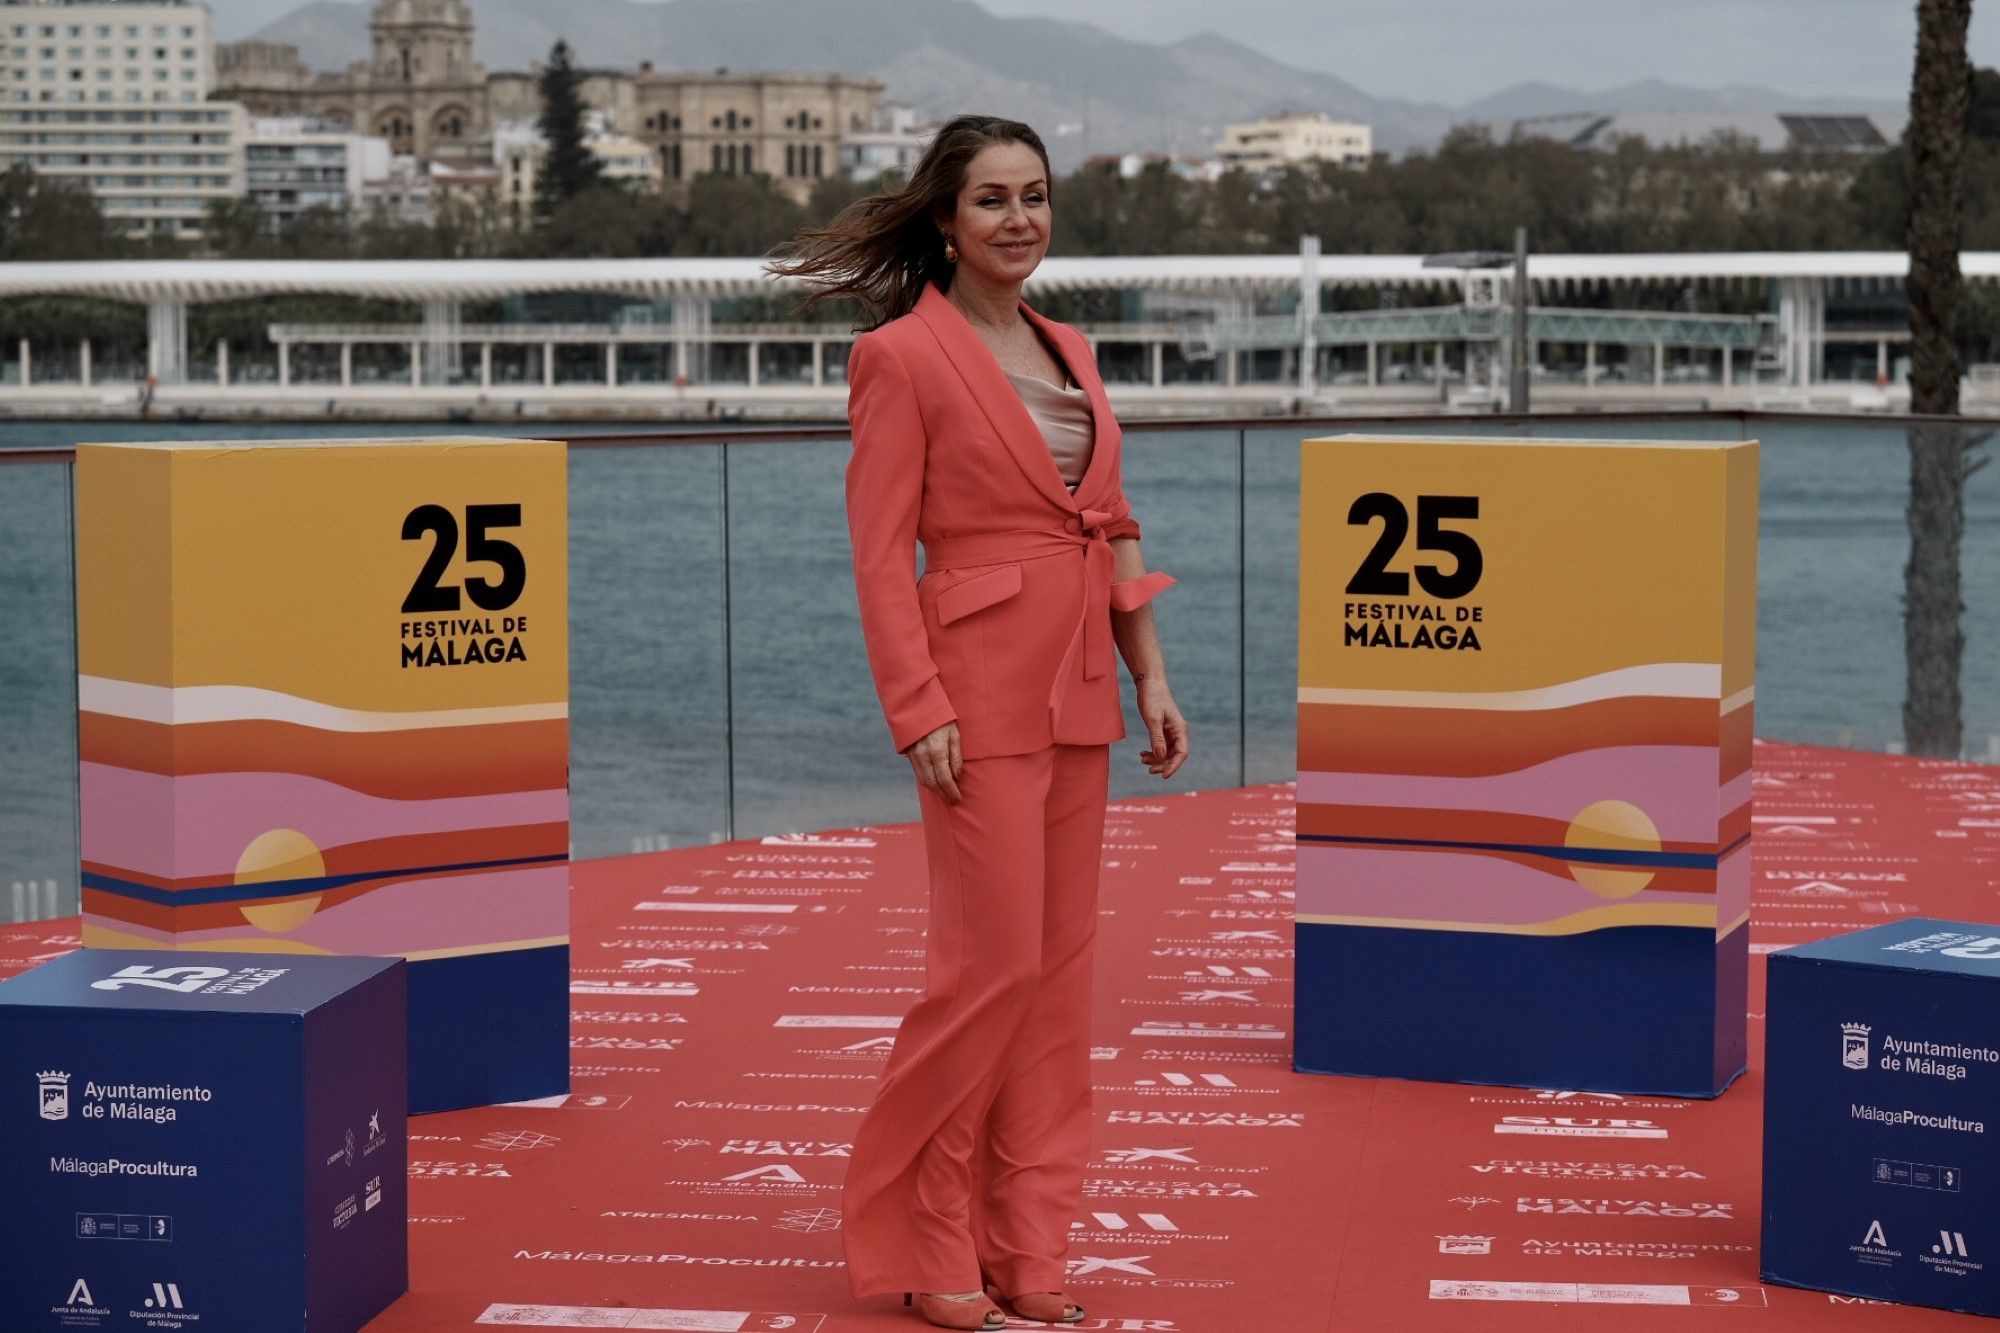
(1882, 1115)
(217, 1142)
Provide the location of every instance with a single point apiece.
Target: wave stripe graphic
(390, 850)
(373, 900)
(238, 807)
(408, 765)
(1692, 823)
(1577, 923)
(179, 705)
(99, 936)
(1675, 785)
(1433, 884)
(288, 888)
(1581, 855)
(1457, 742)
(1673, 680)
(1495, 830)
(476, 907)
(1484, 867)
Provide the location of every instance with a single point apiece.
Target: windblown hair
(882, 249)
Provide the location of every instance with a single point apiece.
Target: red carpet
(732, 1005)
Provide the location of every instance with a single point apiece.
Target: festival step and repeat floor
(732, 1005)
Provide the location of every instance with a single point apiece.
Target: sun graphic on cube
(1611, 826)
(281, 854)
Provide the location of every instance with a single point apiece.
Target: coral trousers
(972, 1153)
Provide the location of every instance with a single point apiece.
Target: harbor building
(114, 97)
(895, 144)
(1295, 136)
(292, 165)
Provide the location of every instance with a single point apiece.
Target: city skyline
(1454, 52)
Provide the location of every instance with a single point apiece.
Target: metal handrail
(833, 430)
(413, 331)
(1465, 323)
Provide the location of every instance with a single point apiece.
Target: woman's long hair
(882, 249)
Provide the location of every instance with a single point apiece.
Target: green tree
(830, 194)
(46, 218)
(568, 167)
(1940, 459)
(1982, 108)
(736, 215)
(61, 320)
(319, 232)
(239, 228)
(605, 222)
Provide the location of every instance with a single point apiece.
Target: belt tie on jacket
(1101, 592)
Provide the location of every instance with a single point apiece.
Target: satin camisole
(1065, 419)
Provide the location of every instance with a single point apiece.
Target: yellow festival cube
(1525, 713)
(323, 692)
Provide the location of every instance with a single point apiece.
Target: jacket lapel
(1076, 353)
(997, 398)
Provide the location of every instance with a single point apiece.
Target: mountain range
(1087, 90)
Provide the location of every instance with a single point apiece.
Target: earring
(950, 251)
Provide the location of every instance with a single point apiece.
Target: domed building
(421, 90)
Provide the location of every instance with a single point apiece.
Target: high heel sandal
(1046, 1307)
(952, 1312)
(1043, 1307)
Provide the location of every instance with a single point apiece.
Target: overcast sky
(1455, 51)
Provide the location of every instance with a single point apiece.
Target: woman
(981, 429)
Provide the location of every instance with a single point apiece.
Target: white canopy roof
(485, 279)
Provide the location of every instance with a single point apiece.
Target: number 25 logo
(186, 980)
(428, 594)
(1375, 579)
(1979, 951)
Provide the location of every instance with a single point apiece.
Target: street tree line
(1468, 192)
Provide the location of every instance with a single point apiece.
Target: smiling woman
(982, 430)
(883, 249)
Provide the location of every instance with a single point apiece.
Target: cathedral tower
(427, 92)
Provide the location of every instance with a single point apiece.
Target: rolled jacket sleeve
(1124, 525)
(885, 483)
(1121, 523)
(1133, 593)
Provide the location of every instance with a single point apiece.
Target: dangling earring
(950, 251)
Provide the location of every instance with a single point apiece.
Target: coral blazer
(1009, 628)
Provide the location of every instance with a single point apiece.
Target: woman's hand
(936, 761)
(1164, 724)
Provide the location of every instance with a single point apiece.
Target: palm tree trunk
(1933, 643)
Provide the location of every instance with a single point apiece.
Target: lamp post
(1517, 398)
(1517, 387)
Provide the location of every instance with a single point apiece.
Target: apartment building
(114, 96)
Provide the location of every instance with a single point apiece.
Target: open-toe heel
(1046, 1307)
(973, 1312)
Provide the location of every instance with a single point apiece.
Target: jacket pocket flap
(978, 592)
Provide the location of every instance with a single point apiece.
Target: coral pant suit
(972, 1153)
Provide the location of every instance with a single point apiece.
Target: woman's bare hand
(936, 760)
(1164, 724)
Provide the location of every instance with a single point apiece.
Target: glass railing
(38, 810)
(720, 689)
